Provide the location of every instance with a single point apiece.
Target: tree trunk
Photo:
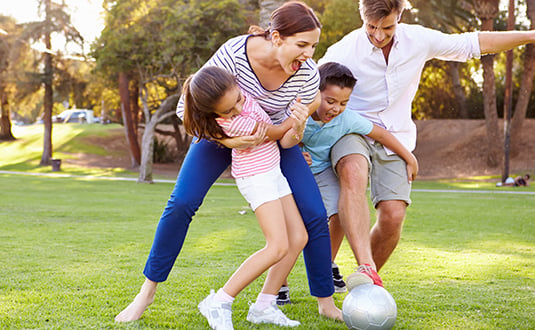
(458, 91)
(131, 136)
(525, 86)
(5, 122)
(48, 98)
(486, 11)
(266, 8)
(165, 110)
(147, 153)
(134, 103)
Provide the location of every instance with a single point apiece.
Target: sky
(85, 16)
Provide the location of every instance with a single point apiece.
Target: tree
(338, 18)
(526, 84)
(159, 48)
(56, 21)
(487, 10)
(6, 44)
(266, 8)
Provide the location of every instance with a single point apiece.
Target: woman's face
(230, 104)
(295, 49)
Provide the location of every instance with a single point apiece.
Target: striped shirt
(232, 56)
(256, 160)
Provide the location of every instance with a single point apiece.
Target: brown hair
(290, 18)
(201, 93)
(332, 73)
(378, 9)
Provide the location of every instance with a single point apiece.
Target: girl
(216, 108)
(274, 66)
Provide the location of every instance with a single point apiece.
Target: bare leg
(328, 309)
(297, 239)
(144, 298)
(353, 206)
(271, 218)
(337, 234)
(386, 232)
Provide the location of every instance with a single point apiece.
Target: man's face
(381, 31)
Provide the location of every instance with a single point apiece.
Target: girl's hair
(378, 9)
(202, 91)
(290, 18)
(332, 73)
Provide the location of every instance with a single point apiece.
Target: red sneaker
(365, 274)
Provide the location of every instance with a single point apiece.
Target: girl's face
(333, 102)
(295, 49)
(230, 104)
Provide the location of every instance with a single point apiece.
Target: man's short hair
(377, 9)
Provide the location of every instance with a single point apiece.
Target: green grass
(68, 140)
(73, 251)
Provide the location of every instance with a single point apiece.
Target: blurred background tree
(148, 47)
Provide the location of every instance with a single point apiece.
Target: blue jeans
(203, 164)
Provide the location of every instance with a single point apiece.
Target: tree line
(135, 70)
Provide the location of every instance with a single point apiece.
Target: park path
(91, 177)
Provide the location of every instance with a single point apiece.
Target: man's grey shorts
(387, 173)
(330, 190)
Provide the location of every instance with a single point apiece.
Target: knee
(353, 172)
(298, 242)
(391, 215)
(278, 251)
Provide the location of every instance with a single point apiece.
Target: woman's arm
(246, 141)
(386, 138)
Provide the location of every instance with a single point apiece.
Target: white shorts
(262, 188)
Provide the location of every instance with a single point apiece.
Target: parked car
(75, 116)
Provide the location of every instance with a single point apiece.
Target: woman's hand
(244, 142)
(300, 116)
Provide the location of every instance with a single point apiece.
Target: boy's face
(333, 102)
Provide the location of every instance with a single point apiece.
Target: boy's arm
(386, 138)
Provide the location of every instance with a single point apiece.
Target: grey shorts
(387, 173)
(330, 190)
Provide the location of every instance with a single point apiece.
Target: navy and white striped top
(276, 103)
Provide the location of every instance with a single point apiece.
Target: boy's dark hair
(332, 73)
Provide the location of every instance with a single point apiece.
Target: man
(387, 58)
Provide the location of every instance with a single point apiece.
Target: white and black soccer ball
(369, 306)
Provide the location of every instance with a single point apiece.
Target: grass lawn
(73, 250)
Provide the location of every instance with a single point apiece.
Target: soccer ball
(369, 306)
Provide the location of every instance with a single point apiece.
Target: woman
(275, 67)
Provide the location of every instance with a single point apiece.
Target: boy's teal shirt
(318, 139)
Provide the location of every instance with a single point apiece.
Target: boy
(325, 126)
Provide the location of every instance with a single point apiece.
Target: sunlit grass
(24, 154)
(73, 249)
(75, 258)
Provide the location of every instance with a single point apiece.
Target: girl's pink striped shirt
(260, 159)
